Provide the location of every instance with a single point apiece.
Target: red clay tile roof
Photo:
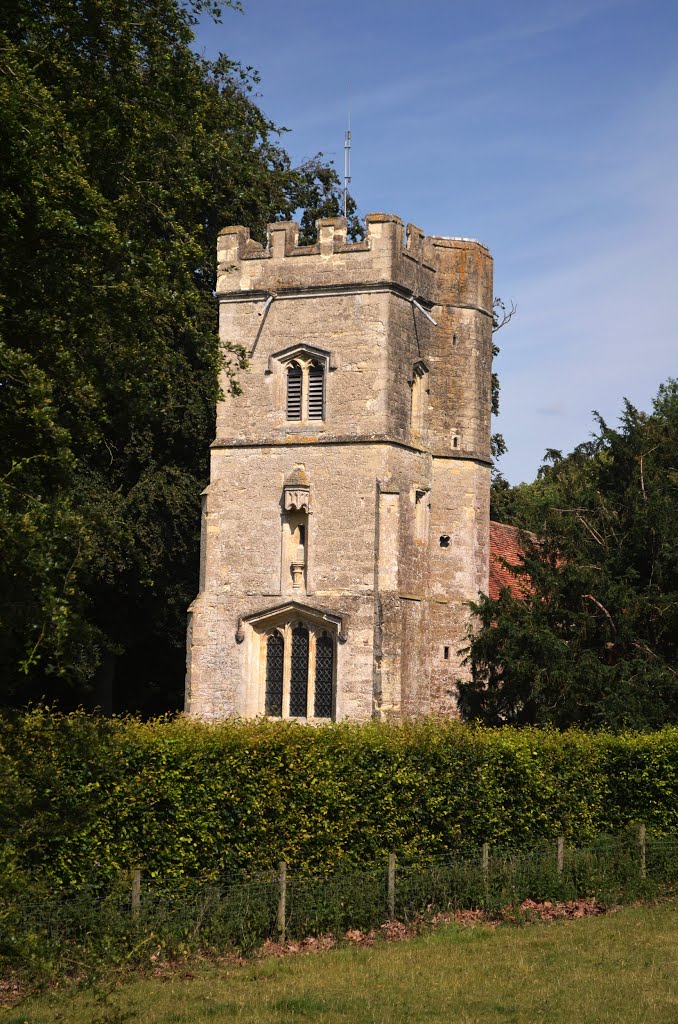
(505, 546)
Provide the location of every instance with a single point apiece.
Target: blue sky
(548, 130)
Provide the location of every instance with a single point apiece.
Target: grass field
(620, 968)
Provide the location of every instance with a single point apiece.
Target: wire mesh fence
(137, 916)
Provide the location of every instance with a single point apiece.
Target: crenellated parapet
(433, 270)
(389, 255)
(283, 239)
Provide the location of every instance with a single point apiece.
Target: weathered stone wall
(383, 490)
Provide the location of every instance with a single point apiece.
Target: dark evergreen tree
(595, 639)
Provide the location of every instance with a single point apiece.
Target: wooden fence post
(561, 854)
(282, 898)
(136, 892)
(486, 863)
(390, 896)
(641, 845)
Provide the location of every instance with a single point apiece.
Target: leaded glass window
(324, 675)
(299, 673)
(275, 660)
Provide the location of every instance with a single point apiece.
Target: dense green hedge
(81, 798)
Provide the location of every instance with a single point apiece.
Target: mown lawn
(620, 968)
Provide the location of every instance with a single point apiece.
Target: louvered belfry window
(275, 660)
(324, 676)
(300, 667)
(294, 379)
(316, 392)
(305, 396)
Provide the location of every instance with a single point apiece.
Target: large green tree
(594, 640)
(123, 152)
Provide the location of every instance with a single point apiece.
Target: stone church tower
(346, 522)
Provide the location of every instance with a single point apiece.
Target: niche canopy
(297, 491)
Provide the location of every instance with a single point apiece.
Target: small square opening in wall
(444, 541)
(446, 653)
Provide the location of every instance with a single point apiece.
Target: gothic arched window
(305, 396)
(299, 671)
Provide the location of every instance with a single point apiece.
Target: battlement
(426, 267)
(283, 239)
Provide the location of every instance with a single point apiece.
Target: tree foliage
(595, 641)
(123, 152)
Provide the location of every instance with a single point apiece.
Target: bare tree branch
(642, 478)
(590, 597)
(501, 316)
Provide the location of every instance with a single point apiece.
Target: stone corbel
(239, 635)
(297, 499)
(342, 635)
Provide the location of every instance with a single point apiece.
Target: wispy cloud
(532, 21)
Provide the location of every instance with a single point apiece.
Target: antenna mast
(347, 165)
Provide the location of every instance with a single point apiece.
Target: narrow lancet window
(419, 397)
(275, 652)
(324, 676)
(316, 392)
(294, 377)
(299, 672)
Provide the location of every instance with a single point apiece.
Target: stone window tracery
(299, 671)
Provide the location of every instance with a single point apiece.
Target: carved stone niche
(297, 491)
